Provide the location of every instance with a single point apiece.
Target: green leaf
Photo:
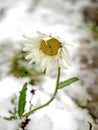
(22, 100)
(10, 118)
(67, 82)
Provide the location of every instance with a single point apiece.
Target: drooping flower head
(47, 52)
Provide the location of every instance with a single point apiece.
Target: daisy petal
(66, 56)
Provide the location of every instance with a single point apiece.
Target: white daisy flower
(47, 51)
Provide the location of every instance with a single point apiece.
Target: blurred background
(74, 21)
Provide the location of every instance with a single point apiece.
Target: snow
(42, 123)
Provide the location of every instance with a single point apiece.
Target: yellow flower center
(50, 47)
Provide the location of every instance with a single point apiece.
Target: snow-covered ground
(60, 115)
(59, 17)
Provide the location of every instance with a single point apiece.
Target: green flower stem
(51, 99)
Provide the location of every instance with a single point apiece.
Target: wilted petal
(66, 56)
